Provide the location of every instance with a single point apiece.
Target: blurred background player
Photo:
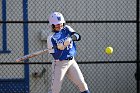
(63, 49)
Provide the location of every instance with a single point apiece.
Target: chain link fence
(101, 23)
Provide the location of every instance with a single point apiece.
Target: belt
(69, 58)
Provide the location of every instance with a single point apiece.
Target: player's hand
(60, 46)
(67, 41)
(17, 60)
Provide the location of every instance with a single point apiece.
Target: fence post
(138, 64)
(26, 48)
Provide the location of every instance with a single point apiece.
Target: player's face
(58, 27)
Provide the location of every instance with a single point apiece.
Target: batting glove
(60, 46)
(67, 41)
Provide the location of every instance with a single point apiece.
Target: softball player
(63, 49)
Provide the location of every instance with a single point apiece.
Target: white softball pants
(69, 68)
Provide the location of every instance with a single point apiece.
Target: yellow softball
(109, 50)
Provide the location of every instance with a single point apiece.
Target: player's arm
(72, 36)
(53, 46)
(54, 49)
(75, 36)
(50, 44)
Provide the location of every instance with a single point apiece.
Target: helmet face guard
(56, 18)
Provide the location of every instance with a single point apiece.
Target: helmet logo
(59, 18)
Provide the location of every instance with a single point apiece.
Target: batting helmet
(56, 18)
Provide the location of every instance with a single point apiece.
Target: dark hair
(53, 26)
